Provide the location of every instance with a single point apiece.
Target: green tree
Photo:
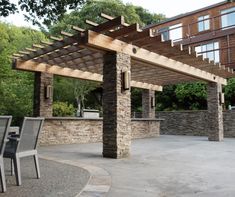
(229, 91)
(16, 87)
(167, 100)
(81, 89)
(191, 96)
(92, 9)
(148, 18)
(46, 10)
(73, 91)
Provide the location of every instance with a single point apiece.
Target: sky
(168, 8)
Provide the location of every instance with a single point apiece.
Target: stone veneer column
(41, 105)
(148, 111)
(116, 107)
(215, 112)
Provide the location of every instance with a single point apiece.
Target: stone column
(215, 112)
(148, 103)
(116, 107)
(42, 106)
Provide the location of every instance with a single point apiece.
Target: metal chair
(5, 122)
(24, 145)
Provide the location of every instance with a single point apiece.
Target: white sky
(168, 8)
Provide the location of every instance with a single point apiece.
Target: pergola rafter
(154, 62)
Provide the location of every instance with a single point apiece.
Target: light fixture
(221, 98)
(152, 102)
(48, 91)
(126, 80)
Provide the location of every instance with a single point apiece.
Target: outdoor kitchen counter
(69, 130)
(100, 119)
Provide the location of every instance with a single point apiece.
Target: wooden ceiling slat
(123, 32)
(153, 62)
(145, 34)
(119, 21)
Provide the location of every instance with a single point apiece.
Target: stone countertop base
(100, 119)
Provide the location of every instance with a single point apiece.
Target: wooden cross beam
(75, 73)
(96, 40)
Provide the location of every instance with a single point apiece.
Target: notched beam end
(78, 29)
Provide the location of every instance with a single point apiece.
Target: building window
(203, 23)
(173, 33)
(228, 20)
(164, 33)
(210, 50)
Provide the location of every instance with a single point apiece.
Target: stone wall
(193, 123)
(76, 130)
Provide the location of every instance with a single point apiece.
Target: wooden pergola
(153, 63)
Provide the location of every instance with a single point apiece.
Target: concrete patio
(56, 179)
(168, 166)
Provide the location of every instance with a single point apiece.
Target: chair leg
(12, 168)
(16, 161)
(37, 165)
(3, 179)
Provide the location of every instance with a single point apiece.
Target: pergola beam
(74, 73)
(104, 42)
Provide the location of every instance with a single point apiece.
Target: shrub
(63, 109)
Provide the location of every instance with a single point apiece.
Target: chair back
(5, 122)
(29, 133)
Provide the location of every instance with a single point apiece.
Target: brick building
(209, 31)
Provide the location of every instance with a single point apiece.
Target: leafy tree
(229, 91)
(81, 89)
(191, 96)
(73, 91)
(166, 100)
(46, 10)
(7, 8)
(63, 90)
(16, 88)
(136, 100)
(92, 9)
(148, 18)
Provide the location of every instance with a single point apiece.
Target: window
(173, 32)
(165, 33)
(228, 19)
(203, 23)
(210, 51)
(176, 32)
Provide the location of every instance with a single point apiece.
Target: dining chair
(5, 122)
(24, 145)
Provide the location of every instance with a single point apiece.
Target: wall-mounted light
(48, 92)
(221, 98)
(152, 102)
(126, 84)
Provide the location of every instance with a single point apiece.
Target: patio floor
(168, 166)
(57, 180)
